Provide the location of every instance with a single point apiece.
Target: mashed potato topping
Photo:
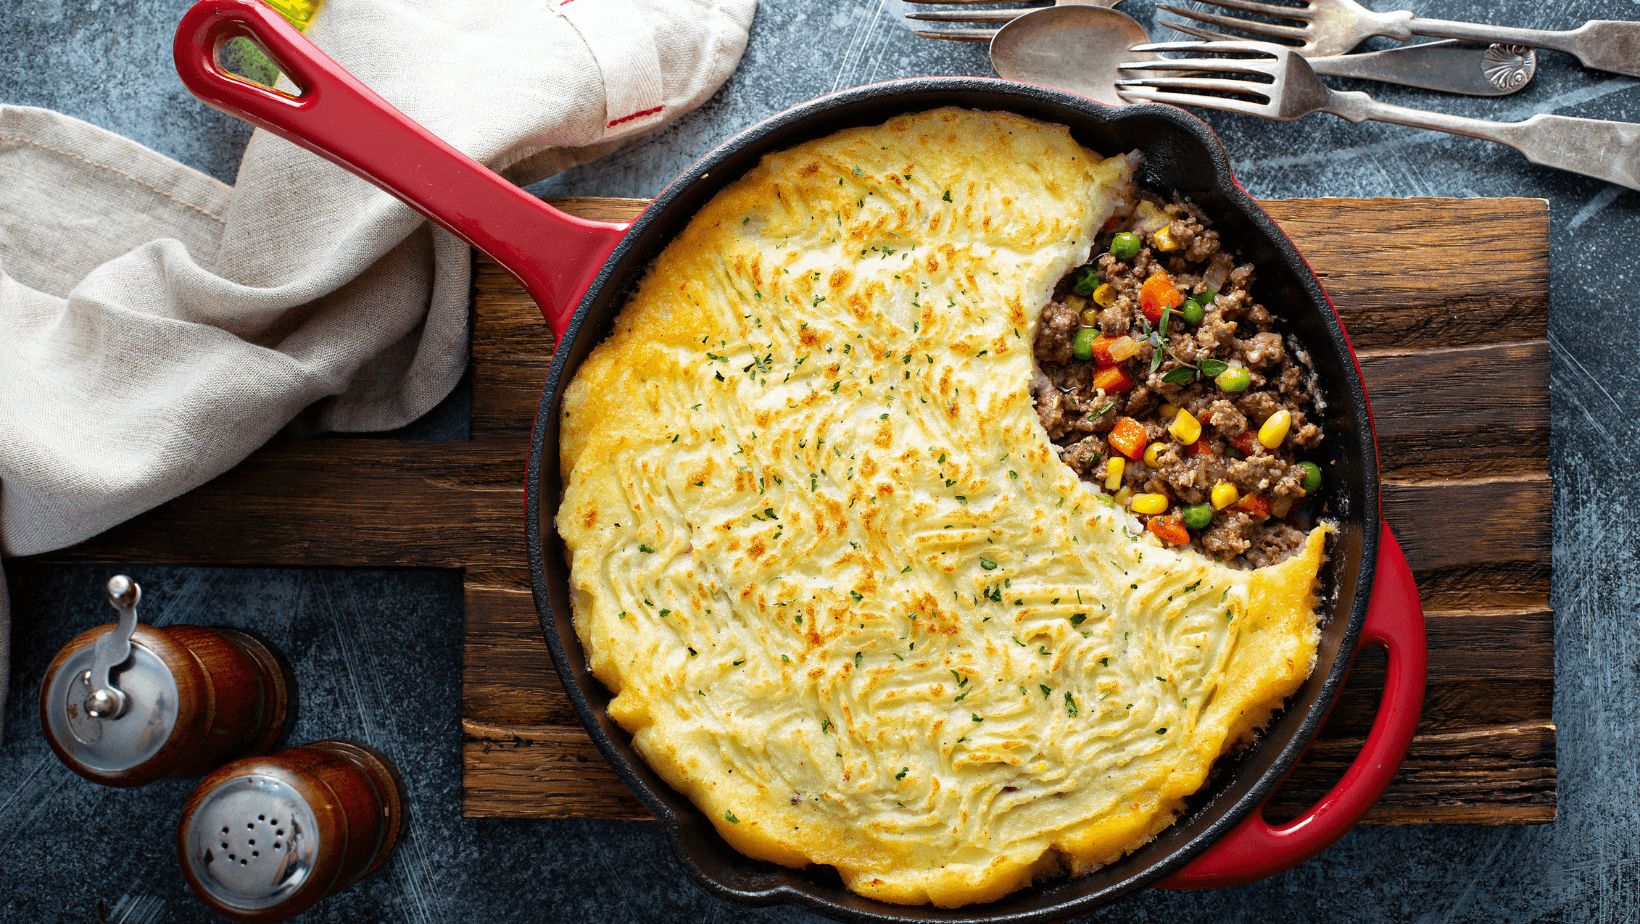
(847, 595)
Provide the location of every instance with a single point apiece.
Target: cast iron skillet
(1368, 593)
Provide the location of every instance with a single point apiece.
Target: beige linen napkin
(156, 326)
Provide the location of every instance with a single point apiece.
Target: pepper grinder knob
(106, 701)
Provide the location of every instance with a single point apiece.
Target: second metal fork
(976, 15)
(1599, 148)
(1335, 27)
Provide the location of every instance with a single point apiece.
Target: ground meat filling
(1163, 285)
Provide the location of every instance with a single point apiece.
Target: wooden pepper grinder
(264, 838)
(127, 704)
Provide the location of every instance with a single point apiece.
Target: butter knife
(1448, 66)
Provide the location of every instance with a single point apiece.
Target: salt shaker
(127, 704)
(264, 838)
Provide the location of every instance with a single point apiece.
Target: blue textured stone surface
(378, 653)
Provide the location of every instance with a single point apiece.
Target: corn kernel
(1124, 495)
(1114, 468)
(1165, 241)
(1186, 428)
(1168, 410)
(1151, 452)
(1224, 494)
(1149, 503)
(1275, 429)
(1105, 295)
(1075, 302)
(1090, 317)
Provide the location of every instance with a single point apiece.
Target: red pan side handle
(1256, 849)
(556, 256)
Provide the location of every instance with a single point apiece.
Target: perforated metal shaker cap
(252, 842)
(113, 745)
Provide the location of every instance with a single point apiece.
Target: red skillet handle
(556, 256)
(1255, 849)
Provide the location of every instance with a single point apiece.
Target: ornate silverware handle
(1600, 43)
(1603, 149)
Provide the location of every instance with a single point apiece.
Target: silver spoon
(1077, 48)
(1071, 48)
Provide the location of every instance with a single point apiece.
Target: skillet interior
(1181, 154)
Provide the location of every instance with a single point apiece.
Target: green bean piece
(1199, 516)
(1192, 312)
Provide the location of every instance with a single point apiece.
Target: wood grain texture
(1446, 301)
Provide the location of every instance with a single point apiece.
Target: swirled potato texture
(847, 597)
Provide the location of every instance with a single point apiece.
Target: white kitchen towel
(156, 326)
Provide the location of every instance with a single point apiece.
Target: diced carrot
(1247, 443)
(1128, 438)
(1169, 530)
(1198, 448)
(1112, 379)
(1158, 293)
(1255, 505)
(1111, 225)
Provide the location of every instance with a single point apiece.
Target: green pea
(1192, 312)
(1199, 516)
(1082, 346)
(1125, 246)
(1233, 379)
(1086, 282)
(1312, 476)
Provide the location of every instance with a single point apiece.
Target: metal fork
(1000, 17)
(1602, 149)
(1334, 27)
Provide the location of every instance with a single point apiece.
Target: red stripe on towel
(635, 115)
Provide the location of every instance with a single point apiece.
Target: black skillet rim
(750, 882)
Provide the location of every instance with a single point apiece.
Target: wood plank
(539, 772)
(1433, 272)
(1499, 775)
(337, 503)
(1460, 412)
(1470, 523)
(507, 675)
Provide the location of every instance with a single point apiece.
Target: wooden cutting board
(1446, 301)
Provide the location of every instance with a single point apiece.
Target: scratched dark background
(377, 654)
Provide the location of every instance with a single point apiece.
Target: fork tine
(1244, 25)
(957, 35)
(1264, 91)
(1200, 65)
(1204, 34)
(1301, 14)
(1235, 46)
(970, 15)
(1190, 99)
